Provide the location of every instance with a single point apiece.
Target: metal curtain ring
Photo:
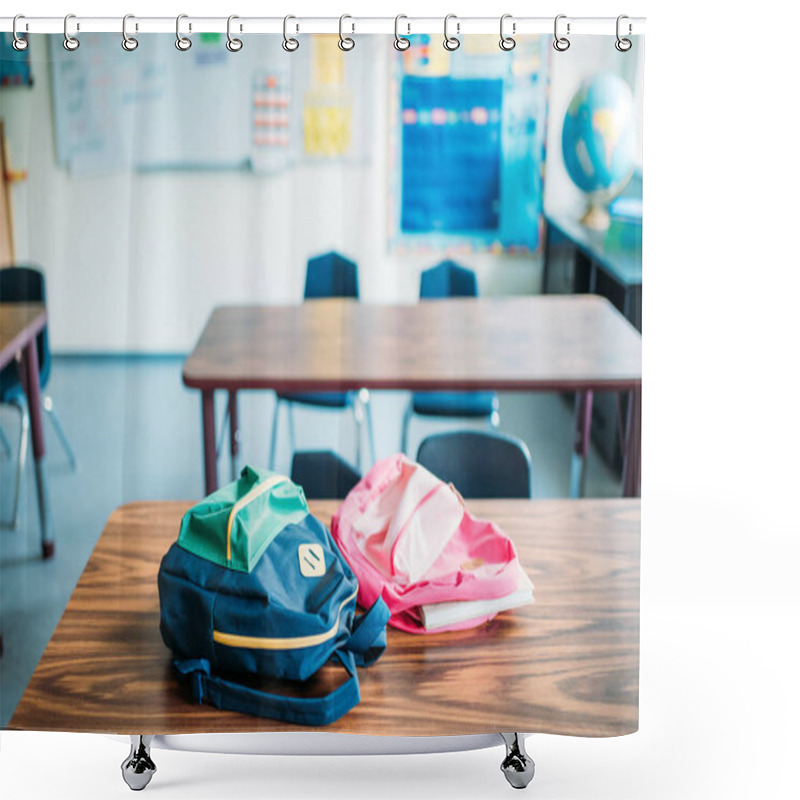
(18, 43)
(560, 43)
(507, 42)
(400, 42)
(345, 42)
(233, 44)
(451, 42)
(623, 45)
(288, 44)
(70, 42)
(129, 43)
(182, 42)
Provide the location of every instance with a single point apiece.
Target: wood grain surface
(19, 322)
(545, 342)
(569, 664)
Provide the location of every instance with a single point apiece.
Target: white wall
(136, 261)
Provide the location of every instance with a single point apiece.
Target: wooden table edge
(198, 381)
(317, 385)
(616, 734)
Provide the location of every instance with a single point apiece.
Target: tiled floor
(136, 433)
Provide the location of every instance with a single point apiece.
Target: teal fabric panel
(204, 528)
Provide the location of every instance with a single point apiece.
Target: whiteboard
(204, 108)
(155, 107)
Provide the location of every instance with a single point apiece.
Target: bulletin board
(469, 144)
(15, 65)
(451, 154)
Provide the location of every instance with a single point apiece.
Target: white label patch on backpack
(312, 560)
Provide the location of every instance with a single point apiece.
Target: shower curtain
(154, 186)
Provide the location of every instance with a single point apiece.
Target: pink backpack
(410, 539)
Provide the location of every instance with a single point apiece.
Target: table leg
(209, 441)
(233, 417)
(583, 429)
(30, 383)
(632, 467)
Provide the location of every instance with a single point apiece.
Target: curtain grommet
(129, 43)
(71, 43)
(183, 43)
(233, 44)
(401, 43)
(560, 43)
(289, 43)
(507, 43)
(17, 42)
(451, 43)
(622, 44)
(346, 43)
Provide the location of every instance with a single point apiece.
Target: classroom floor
(135, 431)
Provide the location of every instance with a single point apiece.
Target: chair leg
(365, 399)
(24, 426)
(233, 433)
(292, 440)
(274, 442)
(5, 443)
(407, 414)
(223, 427)
(580, 450)
(358, 417)
(494, 418)
(47, 405)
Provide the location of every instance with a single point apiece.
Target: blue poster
(451, 154)
(15, 66)
(470, 147)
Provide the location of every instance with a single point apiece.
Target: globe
(598, 142)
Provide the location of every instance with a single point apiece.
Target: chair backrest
(479, 464)
(331, 275)
(448, 279)
(323, 475)
(24, 283)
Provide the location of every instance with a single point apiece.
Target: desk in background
(20, 324)
(582, 261)
(554, 344)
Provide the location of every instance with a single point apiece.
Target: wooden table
(20, 323)
(569, 664)
(536, 343)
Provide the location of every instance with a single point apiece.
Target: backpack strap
(232, 696)
(368, 640)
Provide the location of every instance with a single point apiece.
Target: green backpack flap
(233, 526)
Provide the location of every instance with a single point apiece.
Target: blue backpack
(256, 585)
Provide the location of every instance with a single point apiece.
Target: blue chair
(328, 275)
(448, 279)
(479, 464)
(26, 284)
(323, 475)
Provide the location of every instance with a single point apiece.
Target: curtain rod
(305, 25)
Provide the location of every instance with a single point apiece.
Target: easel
(6, 217)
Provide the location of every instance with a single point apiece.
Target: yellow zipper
(255, 492)
(286, 643)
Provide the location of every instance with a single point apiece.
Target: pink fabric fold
(409, 538)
